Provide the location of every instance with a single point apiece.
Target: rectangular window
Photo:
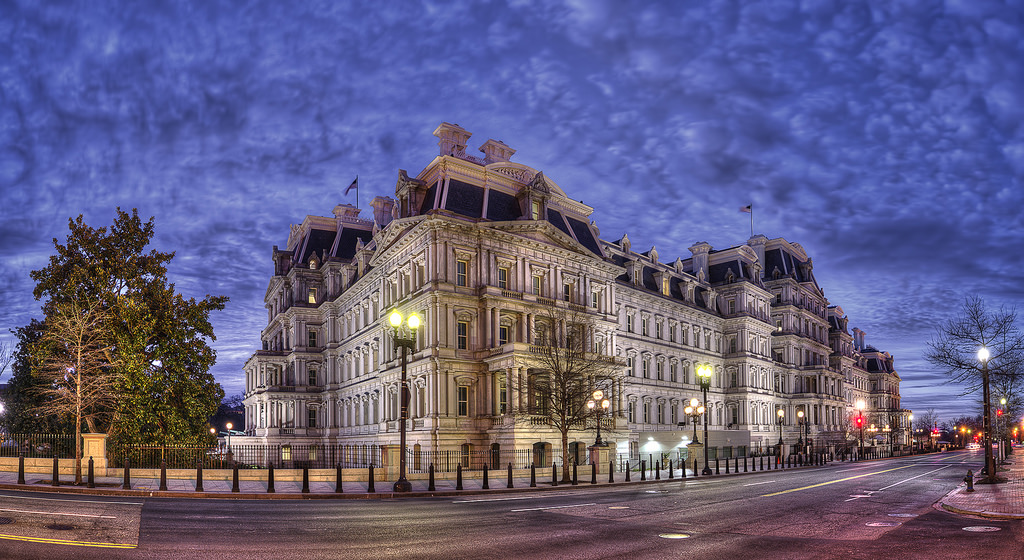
(629, 366)
(671, 333)
(661, 371)
(631, 412)
(657, 330)
(503, 334)
(643, 326)
(732, 306)
(566, 291)
(311, 295)
(629, 323)
(502, 397)
(672, 374)
(594, 299)
(645, 366)
(312, 418)
(503, 278)
(535, 210)
(673, 413)
(461, 273)
(536, 285)
(312, 377)
(661, 413)
(462, 335)
(647, 413)
(463, 400)
(312, 338)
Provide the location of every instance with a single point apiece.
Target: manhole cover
(902, 515)
(674, 536)
(6, 520)
(60, 527)
(881, 524)
(981, 529)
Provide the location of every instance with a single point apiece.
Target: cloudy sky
(885, 137)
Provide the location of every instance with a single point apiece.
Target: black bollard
(509, 485)
(163, 476)
(485, 486)
(671, 474)
(736, 464)
(305, 479)
(458, 476)
(643, 470)
(56, 472)
(745, 463)
(199, 475)
(969, 479)
(694, 467)
(726, 466)
(234, 479)
(21, 467)
(533, 476)
(682, 468)
(657, 470)
(92, 479)
(338, 489)
(611, 472)
(575, 481)
(762, 462)
(717, 471)
(369, 487)
(270, 478)
(430, 482)
(127, 484)
(554, 474)
(627, 471)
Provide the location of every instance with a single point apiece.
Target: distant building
(480, 248)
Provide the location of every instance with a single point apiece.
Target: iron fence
(61, 446)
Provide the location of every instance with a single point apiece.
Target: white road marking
(555, 507)
(497, 499)
(913, 477)
(756, 483)
(71, 501)
(58, 513)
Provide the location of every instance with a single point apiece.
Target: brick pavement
(1003, 501)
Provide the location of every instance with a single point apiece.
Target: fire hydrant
(969, 479)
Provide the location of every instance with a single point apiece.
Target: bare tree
(955, 347)
(74, 359)
(7, 354)
(564, 369)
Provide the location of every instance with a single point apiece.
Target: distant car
(973, 446)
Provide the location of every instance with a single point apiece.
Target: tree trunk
(565, 455)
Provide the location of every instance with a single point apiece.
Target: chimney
(383, 206)
(858, 339)
(452, 139)
(758, 243)
(700, 260)
(496, 150)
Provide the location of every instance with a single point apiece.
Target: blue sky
(885, 137)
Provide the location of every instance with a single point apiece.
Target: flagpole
(357, 201)
(751, 218)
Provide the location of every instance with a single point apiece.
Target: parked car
(973, 446)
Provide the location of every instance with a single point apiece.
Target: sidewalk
(999, 501)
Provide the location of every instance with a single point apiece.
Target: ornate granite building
(482, 249)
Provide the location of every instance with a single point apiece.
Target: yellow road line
(833, 481)
(66, 542)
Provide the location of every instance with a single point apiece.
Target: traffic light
(860, 421)
(999, 412)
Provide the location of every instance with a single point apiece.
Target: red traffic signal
(860, 421)
(999, 412)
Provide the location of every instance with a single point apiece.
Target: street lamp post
(229, 425)
(695, 410)
(599, 404)
(406, 343)
(704, 375)
(1001, 434)
(910, 432)
(990, 468)
(782, 415)
(800, 429)
(860, 422)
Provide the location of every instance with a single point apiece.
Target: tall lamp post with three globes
(404, 335)
(704, 376)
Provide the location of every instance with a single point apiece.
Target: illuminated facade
(481, 248)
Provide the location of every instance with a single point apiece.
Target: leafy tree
(955, 347)
(24, 391)
(162, 391)
(563, 372)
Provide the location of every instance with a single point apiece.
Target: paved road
(860, 510)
